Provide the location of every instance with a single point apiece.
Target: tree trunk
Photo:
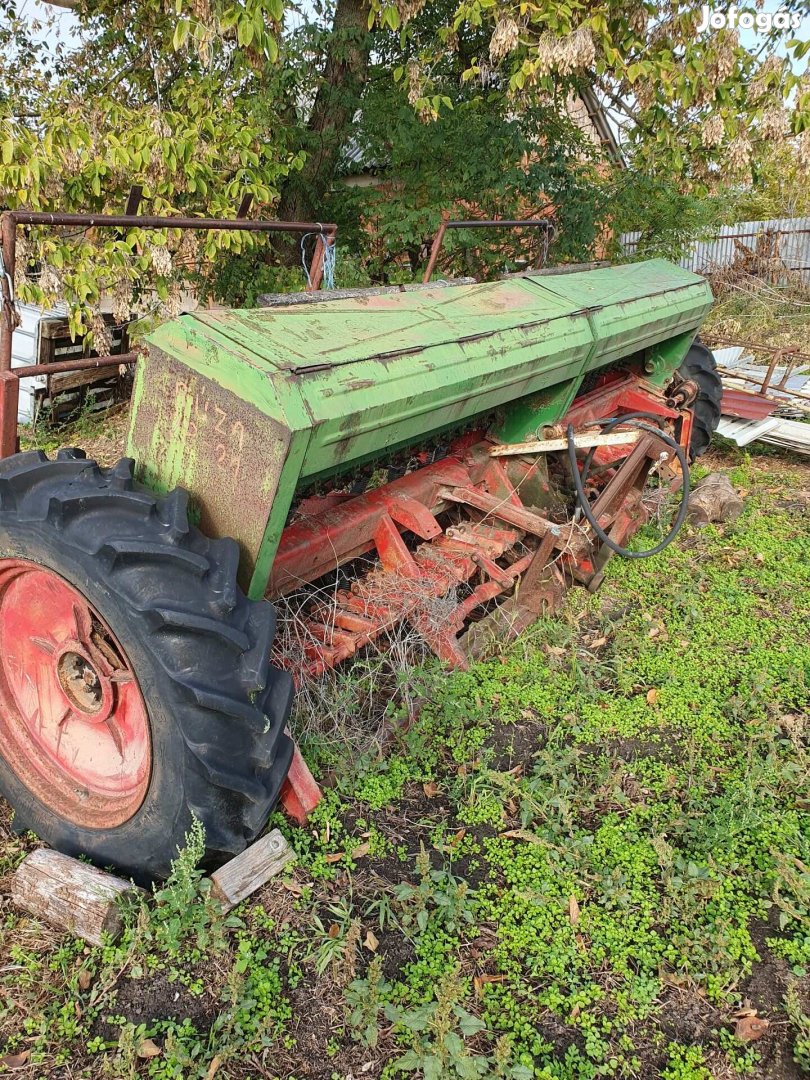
(333, 111)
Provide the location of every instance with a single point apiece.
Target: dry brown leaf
(457, 837)
(480, 981)
(361, 851)
(669, 978)
(85, 979)
(293, 887)
(148, 1049)
(573, 910)
(652, 697)
(371, 942)
(213, 1068)
(430, 789)
(15, 1061)
(334, 930)
(577, 1009)
(521, 834)
(336, 856)
(750, 1028)
(598, 643)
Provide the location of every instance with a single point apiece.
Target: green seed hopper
(242, 408)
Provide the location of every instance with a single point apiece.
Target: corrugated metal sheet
(786, 434)
(720, 250)
(790, 435)
(749, 406)
(731, 356)
(743, 432)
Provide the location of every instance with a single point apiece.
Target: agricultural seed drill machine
(518, 421)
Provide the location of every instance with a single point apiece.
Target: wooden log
(71, 895)
(714, 499)
(582, 442)
(251, 869)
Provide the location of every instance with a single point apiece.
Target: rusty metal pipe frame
(10, 389)
(476, 223)
(85, 364)
(775, 352)
(11, 219)
(144, 221)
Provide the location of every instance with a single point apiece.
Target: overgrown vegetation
(754, 302)
(465, 107)
(586, 857)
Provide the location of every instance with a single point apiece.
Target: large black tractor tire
(699, 366)
(199, 650)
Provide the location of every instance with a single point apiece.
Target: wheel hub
(86, 689)
(73, 723)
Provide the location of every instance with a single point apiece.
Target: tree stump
(71, 895)
(714, 499)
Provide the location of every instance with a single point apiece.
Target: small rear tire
(700, 367)
(135, 686)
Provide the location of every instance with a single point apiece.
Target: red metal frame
(479, 553)
(543, 221)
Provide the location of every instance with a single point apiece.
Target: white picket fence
(720, 250)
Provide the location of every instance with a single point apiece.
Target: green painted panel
(241, 407)
(385, 326)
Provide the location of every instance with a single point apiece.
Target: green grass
(578, 862)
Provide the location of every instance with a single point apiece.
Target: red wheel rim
(73, 724)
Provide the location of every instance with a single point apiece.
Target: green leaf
(181, 32)
(432, 1068)
(244, 32)
(469, 1024)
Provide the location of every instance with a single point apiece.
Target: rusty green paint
(316, 389)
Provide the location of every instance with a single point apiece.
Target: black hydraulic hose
(608, 425)
(579, 479)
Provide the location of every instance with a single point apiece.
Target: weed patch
(581, 858)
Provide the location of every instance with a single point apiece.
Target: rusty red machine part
(490, 541)
(542, 222)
